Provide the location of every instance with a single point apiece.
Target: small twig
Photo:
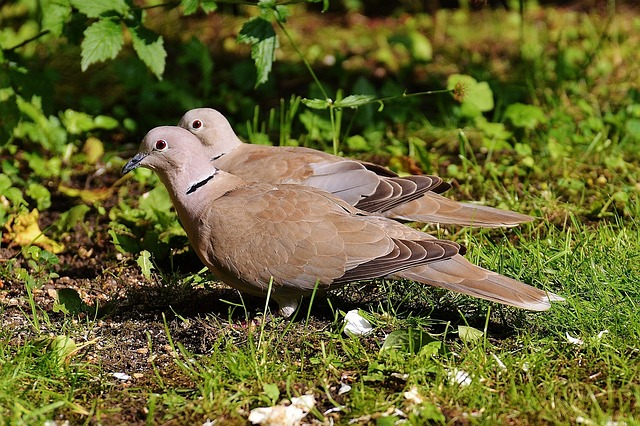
(27, 41)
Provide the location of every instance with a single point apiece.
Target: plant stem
(27, 41)
(304, 60)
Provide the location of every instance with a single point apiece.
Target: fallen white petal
(210, 422)
(334, 410)
(459, 377)
(413, 396)
(602, 333)
(121, 376)
(344, 388)
(574, 340)
(283, 415)
(355, 324)
(499, 361)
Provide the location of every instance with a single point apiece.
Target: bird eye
(161, 145)
(196, 124)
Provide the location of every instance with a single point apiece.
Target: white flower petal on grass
(344, 388)
(459, 377)
(283, 415)
(499, 361)
(355, 324)
(210, 422)
(602, 333)
(121, 376)
(413, 396)
(574, 340)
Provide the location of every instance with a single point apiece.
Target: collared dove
(365, 185)
(252, 233)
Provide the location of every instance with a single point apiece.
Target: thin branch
(27, 41)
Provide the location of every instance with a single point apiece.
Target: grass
(191, 358)
(527, 373)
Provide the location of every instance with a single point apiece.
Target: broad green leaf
(77, 122)
(354, 101)
(144, 262)
(105, 122)
(316, 103)
(633, 127)
(525, 116)
(281, 12)
(260, 34)
(189, 7)
(358, 143)
(208, 6)
(40, 195)
(124, 243)
(272, 391)
(155, 201)
(102, 40)
(54, 15)
(475, 97)
(421, 49)
(150, 49)
(469, 334)
(95, 8)
(69, 302)
(62, 347)
(409, 341)
(70, 218)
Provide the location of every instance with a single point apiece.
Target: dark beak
(134, 162)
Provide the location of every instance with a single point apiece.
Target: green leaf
(272, 391)
(316, 103)
(55, 14)
(358, 143)
(476, 97)
(144, 262)
(633, 127)
(77, 122)
(354, 101)
(421, 48)
(70, 218)
(469, 334)
(102, 40)
(40, 195)
(260, 34)
(96, 8)
(525, 116)
(62, 347)
(208, 6)
(150, 49)
(69, 302)
(123, 243)
(105, 122)
(189, 7)
(409, 341)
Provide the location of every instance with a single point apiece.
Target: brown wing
(434, 208)
(352, 181)
(300, 235)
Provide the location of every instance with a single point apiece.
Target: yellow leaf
(24, 230)
(93, 149)
(88, 196)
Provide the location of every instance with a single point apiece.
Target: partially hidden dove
(368, 186)
(251, 234)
